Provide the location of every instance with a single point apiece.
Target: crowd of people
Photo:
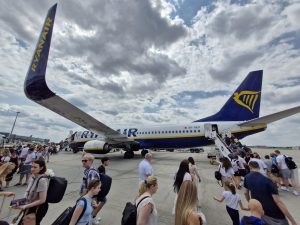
(243, 169)
(18, 159)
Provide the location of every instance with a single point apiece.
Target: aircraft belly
(186, 142)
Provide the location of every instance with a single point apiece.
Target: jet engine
(97, 147)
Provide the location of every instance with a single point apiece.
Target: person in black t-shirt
(264, 190)
(105, 162)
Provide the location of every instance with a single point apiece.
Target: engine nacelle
(96, 147)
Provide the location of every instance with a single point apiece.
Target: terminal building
(14, 138)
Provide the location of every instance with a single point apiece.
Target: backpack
(56, 188)
(105, 186)
(290, 163)
(218, 174)
(130, 213)
(66, 216)
(274, 169)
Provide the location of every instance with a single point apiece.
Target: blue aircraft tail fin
(35, 86)
(244, 104)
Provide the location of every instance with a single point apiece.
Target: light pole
(12, 129)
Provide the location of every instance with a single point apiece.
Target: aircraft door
(207, 130)
(210, 130)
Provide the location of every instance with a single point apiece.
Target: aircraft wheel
(75, 150)
(144, 152)
(128, 155)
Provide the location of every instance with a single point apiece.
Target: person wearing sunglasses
(90, 173)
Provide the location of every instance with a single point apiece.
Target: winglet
(35, 86)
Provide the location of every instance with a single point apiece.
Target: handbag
(218, 175)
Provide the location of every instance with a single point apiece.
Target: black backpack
(130, 213)
(105, 186)
(290, 163)
(218, 174)
(274, 169)
(66, 216)
(56, 188)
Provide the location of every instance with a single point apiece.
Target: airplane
(239, 115)
(77, 140)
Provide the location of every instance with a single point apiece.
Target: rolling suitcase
(66, 215)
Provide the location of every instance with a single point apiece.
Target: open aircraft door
(210, 130)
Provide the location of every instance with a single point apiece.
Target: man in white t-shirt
(284, 171)
(25, 169)
(145, 168)
(262, 166)
(24, 153)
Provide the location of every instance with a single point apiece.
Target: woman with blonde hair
(146, 210)
(186, 205)
(5, 169)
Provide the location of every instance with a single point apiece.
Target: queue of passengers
(264, 204)
(262, 179)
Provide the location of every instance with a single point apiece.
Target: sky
(152, 62)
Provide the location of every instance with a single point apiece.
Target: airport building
(14, 138)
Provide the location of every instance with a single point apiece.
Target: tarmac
(125, 187)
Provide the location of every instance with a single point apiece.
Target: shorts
(25, 169)
(274, 221)
(285, 174)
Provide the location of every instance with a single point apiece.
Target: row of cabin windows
(169, 132)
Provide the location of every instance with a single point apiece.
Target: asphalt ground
(125, 187)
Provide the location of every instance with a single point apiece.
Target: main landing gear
(144, 152)
(128, 155)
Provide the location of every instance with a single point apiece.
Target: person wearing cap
(265, 191)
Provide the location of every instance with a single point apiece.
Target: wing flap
(271, 118)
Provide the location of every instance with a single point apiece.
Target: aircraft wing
(271, 118)
(36, 89)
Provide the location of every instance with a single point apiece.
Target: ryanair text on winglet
(40, 46)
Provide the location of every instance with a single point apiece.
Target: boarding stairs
(222, 150)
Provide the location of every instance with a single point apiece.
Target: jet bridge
(222, 150)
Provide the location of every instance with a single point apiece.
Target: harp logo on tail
(246, 99)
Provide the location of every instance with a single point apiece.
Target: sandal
(17, 184)
(25, 184)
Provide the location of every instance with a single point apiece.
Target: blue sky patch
(187, 9)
